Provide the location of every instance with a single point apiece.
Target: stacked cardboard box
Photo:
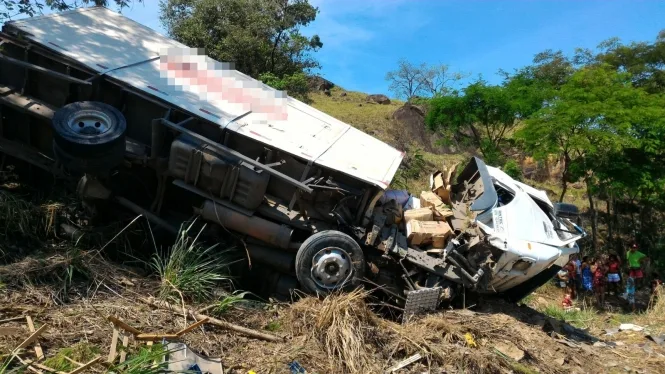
(428, 225)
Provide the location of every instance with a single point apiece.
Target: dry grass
(344, 328)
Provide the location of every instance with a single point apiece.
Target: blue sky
(363, 39)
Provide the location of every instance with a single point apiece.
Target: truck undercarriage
(319, 227)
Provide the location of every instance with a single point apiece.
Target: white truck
(146, 122)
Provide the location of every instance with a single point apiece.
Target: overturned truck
(145, 122)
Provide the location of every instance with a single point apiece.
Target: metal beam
(40, 69)
(226, 150)
(27, 104)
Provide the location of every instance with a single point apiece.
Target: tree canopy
(257, 36)
(30, 8)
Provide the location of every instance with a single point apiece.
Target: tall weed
(190, 269)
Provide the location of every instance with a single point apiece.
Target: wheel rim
(331, 268)
(89, 123)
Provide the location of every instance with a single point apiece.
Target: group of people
(603, 275)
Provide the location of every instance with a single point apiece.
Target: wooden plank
(114, 345)
(8, 331)
(35, 335)
(38, 348)
(192, 327)
(125, 346)
(85, 366)
(123, 325)
(153, 337)
(18, 318)
(34, 107)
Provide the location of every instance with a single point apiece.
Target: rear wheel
(89, 136)
(329, 261)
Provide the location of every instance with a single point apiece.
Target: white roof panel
(110, 43)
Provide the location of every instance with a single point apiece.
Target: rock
(342, 94)
(577, 185)
(611, 364)
(509, 349)
(319, 83)
(560, 361)
(378, 98)
(327, 93)
(619, 344)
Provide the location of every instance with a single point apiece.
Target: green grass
(80, 352)
(190, 269)
(274, 325)
(374, 119)
(582, 318)
(229, 301)
(142, 362)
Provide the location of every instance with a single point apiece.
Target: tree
(407, 80)
(596, 115)
(485, 111)
(13, 8)
(643, 60)
(438, 80)
(256, 36)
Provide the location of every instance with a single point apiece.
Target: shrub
(295, 85)
(512, 168)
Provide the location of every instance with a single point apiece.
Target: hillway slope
(73, 288)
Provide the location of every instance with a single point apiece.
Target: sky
(364, 39)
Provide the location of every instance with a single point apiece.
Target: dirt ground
(340, 334)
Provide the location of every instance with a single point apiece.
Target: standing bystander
(635, 260)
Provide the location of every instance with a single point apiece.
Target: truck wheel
(329, 261)
(89, 130)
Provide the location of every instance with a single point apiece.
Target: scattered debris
(296, 368)
(404, 363)
(213, 321)
(509, 349)
(630, 326)
(182, 359)
(660, 340)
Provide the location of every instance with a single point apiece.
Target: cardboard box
(442, 212)
(420, 214)
(429, 199)
(426, 232)
(439, 187)
(432, 200)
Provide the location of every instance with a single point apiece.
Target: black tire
(89, 129)
(338, 246)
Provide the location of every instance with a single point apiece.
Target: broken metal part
(91, 188)
(379, 222)
(422, 300)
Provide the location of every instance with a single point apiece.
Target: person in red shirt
(572, 278)
(599, 280)
(613, 274)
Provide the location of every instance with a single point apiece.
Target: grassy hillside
(377, 120)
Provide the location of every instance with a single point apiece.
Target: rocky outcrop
(317, 83)
(378, 99)
(410, 115)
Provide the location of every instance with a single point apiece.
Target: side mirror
(566, 210)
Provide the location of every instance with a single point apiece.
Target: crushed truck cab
(142, 121)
